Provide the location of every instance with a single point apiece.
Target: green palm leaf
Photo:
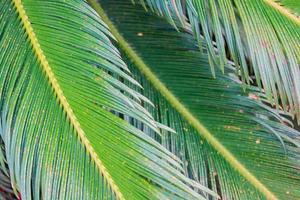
(228, 141)
(58, 88)
(259, 34)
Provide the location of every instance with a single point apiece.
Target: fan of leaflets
(236, 146)
(262, 37)
(59, 85)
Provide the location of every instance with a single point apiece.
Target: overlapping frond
(59, 84)
(255, 34)
(6, 191)
(228, 140)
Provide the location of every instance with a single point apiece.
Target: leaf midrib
(286, 12)
(62, 99)
(170, 97)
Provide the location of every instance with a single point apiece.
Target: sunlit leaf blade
(59, 84)
(248, 129)
(256, 34)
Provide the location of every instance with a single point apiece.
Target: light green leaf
(59, 85)
(228, 140)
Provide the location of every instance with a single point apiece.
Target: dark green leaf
(211, 116)
(58, 86)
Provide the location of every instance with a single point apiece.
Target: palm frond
(257, 34)
(230, 142)
(58, 88)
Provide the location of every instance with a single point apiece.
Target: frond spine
(283, 11)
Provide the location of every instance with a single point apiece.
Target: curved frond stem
(283, 11)
(142, 66)
(61, 97)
